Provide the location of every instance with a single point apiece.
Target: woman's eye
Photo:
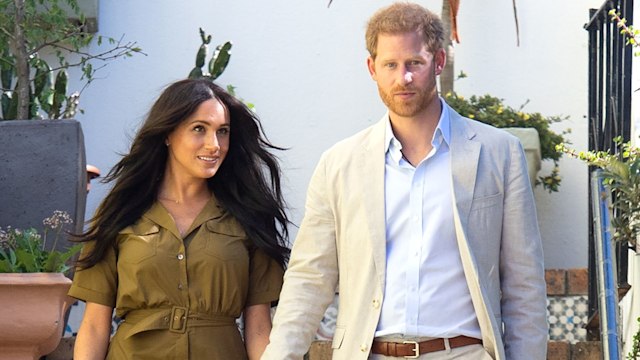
(223, 131)
(198, 128)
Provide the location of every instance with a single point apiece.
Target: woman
(192, 235)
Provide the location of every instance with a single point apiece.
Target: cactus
(59, 94)
(216, 66)
(218, 62)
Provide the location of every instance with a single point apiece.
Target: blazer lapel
(372, 163)
(465, 154)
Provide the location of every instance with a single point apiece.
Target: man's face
(405, 72)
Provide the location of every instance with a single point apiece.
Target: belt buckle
(178, 322)
(416, 349)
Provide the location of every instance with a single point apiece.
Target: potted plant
(491, 110)
(38, 44)
(33, 288)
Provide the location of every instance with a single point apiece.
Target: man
(426, 220)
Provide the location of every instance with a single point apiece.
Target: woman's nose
(213, 143)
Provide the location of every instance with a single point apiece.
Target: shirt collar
(442, 134)
(159, 214)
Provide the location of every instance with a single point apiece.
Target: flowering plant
(491, 110)
(621, 175)
(25, 251)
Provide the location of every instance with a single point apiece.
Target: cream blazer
(341, 244)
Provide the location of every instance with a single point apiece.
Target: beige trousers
(471, 352)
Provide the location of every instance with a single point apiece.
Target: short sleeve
(265, 279)
(97, 284)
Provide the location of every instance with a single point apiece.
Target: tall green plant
(31, 87)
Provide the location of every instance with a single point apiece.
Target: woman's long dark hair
(247, 183)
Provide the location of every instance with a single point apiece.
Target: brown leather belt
(413, 349)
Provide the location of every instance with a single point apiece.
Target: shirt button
(376, 304)
(363, 348)
(180, 256)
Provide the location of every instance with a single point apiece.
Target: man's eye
(390, 65)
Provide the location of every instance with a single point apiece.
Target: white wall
(303, 65)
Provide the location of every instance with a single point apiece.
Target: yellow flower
(471, 116)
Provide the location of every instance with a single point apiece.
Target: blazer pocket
(338, 336)
(486, 201)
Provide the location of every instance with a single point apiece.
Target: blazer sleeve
(523, 301)
(311, 278)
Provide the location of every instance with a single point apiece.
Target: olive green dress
(179, 298)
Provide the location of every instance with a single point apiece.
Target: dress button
(376, 304)
(180, 256)
(363, 348)
(180, 286)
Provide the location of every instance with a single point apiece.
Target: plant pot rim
(33, 278)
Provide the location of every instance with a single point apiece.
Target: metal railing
(605, 259)
(609, 117)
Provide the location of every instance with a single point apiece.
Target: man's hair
(405, 17)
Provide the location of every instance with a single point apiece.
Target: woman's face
(200, 143)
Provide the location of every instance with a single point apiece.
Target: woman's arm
(92, 340)
(257, 326)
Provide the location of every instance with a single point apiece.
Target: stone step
(582, 350)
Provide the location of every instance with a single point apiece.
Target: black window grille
(609, 117)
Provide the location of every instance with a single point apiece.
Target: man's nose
(405, 76)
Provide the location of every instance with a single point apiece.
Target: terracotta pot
(32, 309)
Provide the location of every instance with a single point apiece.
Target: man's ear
(440, 59)
(372, 67)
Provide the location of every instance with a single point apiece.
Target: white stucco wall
(303, 65)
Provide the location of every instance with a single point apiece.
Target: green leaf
(201, 56)
(53, 262)
(43, 77)
(220, 59)
(5, 266)
(27, 260)
(59, 94)
(71, 252)
(196, 73)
